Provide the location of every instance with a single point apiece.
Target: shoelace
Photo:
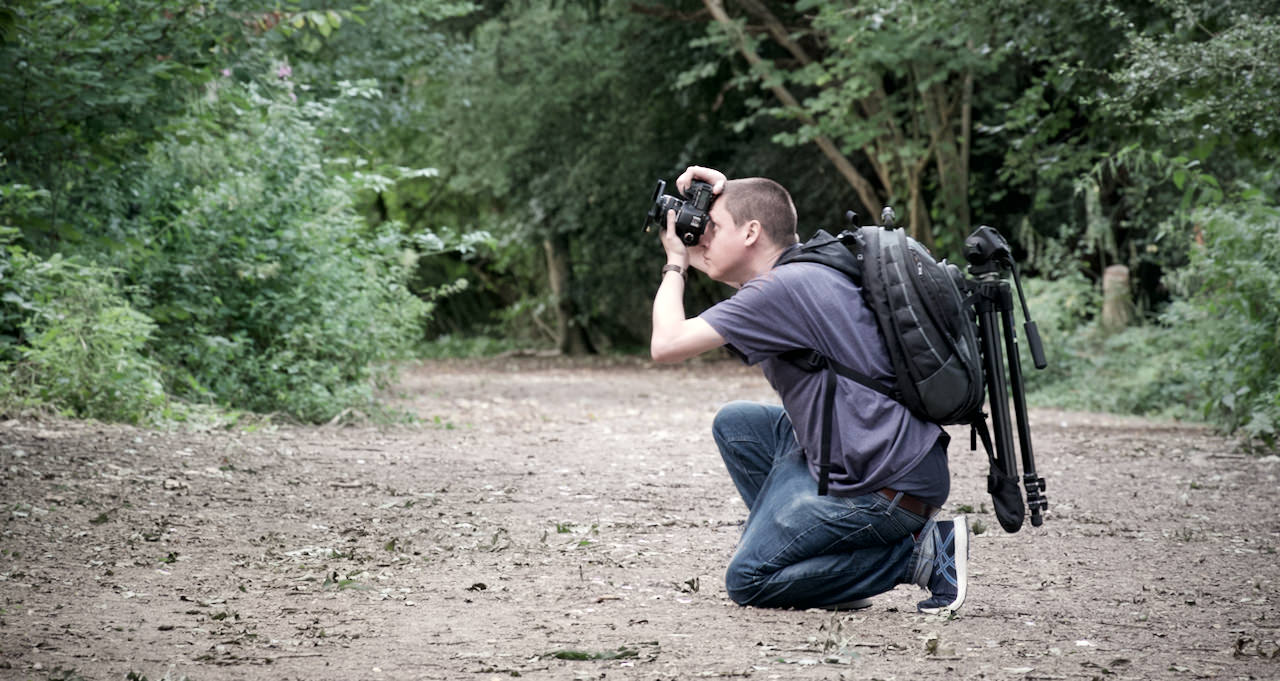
(945, 561)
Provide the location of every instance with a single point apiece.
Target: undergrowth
(1213, 354)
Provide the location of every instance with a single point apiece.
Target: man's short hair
(759, 198)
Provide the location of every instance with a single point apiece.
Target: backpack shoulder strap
(824, 249)
(811, 361)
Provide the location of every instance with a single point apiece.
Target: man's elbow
(664, 353)
(691, 339)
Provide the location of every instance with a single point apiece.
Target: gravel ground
(557, 519)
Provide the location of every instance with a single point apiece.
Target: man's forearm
(668, 311)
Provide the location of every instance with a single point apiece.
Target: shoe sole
(962, 568)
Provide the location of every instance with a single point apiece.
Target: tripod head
(990, 257)
(987, 251)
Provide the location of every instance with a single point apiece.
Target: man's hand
(711, 176)
(677, 252)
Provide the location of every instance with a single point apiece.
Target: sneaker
(950, 557)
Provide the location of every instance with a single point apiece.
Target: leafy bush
(1214, 353)
(1231, 316)
(268, 292)
(1063, 310)
(449, 346)
(82, 346)
(1144, 369)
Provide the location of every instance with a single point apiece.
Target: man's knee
(734, 416)
(741, 586)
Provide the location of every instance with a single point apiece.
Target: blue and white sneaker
(947, 548)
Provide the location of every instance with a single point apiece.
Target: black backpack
(923, 310)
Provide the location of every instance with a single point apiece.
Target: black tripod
(989, 261)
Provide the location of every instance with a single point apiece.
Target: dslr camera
(691, 212)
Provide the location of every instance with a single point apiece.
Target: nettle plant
(79, 344)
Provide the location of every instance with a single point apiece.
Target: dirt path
(549, 511)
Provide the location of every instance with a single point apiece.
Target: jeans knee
(732, 417)
(741, 583)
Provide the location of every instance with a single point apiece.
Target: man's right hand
(677, 252)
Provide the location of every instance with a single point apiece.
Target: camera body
(691, 213)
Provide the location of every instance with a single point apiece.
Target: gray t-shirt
(876, 442)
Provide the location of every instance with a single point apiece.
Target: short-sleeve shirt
(876, 441)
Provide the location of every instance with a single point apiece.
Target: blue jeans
(798, 549)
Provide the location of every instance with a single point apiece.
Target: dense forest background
(217, 207)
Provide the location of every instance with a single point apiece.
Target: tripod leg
(1002, 482)
(1036, 500)
(997, 389)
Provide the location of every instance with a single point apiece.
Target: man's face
(719, 252)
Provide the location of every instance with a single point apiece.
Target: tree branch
(866, 192)
(775, 29)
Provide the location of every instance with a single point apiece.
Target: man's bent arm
(676, 338)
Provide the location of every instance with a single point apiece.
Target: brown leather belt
(910, 503)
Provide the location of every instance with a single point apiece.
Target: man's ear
(753, 233)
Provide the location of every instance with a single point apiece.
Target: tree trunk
(571, 338)
(951, 147)
(1117, 307)
(918, 226)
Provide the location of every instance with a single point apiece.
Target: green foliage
(1143, 370)
(82, 349)
(1231, 317)
(268, 292)
(1210, 76)
(258, 207)
(1063, 310)
(894, 83)
(86, 86)
(1213, 354)
(557, 123)
(449, 346)
(1123, 116)
(219, 217)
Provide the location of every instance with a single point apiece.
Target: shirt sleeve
(752, 319)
